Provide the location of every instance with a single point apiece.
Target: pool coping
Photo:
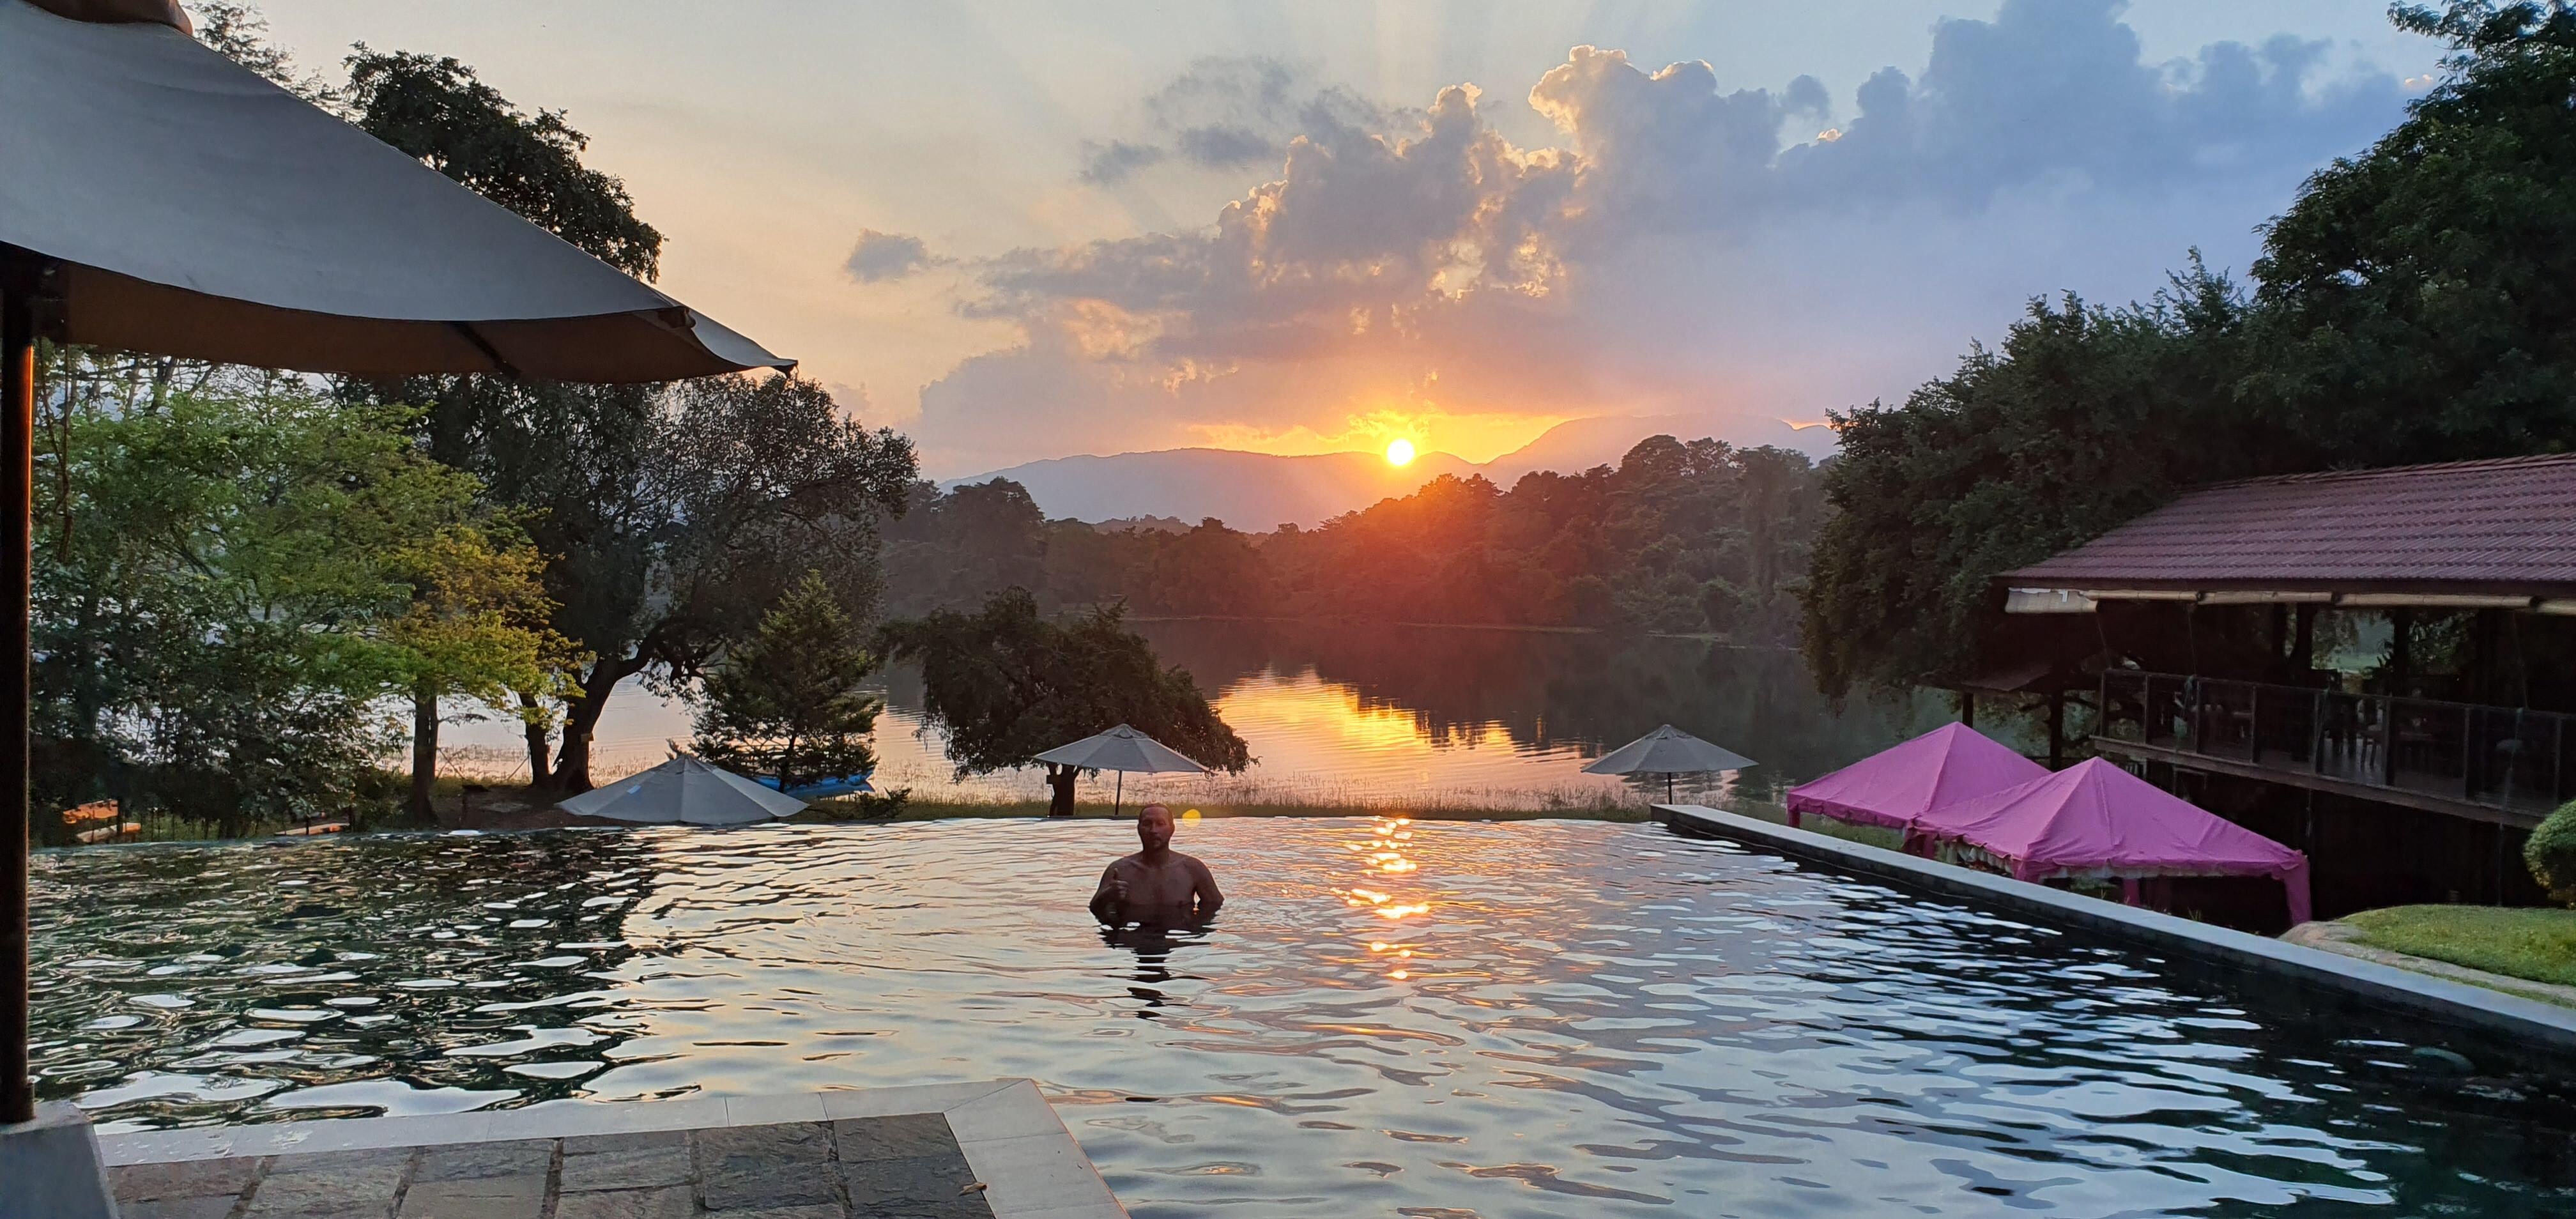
(2457, 1003)
(1011, 1137)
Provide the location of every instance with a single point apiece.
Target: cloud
(1118, 160)
(1229, 113)
(883, 256)
(1686, 246)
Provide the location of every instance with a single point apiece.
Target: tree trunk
(424, 747)
(1060, 781)
(581, 716)
(539, 772)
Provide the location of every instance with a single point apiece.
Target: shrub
(865, 806)
(2550, 853)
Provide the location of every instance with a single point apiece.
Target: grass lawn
(2535, 945)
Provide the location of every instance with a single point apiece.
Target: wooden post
(1967, 709)
(2254, 723)
(17, 456)
(2317, 738)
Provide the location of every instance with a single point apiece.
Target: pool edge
(1015, 1142)
(2381, 985)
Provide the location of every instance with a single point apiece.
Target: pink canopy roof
(1894, 786)
(2095, 819)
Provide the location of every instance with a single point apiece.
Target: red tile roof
(2505, 527)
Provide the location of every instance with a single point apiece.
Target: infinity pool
(1440, 1020)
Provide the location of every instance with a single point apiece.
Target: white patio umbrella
(684, 791)
(1667, 751)
(157, 197)
(1122, 749)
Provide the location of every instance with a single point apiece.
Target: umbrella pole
(17, 455)
(1118, 803)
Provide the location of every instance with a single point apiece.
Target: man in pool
(1157, 884)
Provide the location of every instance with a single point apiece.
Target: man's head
(1154, 827)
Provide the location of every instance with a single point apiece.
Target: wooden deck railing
(2499, 757)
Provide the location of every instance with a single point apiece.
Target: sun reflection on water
(1381, 856)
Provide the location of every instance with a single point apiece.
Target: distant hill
(1257, 492)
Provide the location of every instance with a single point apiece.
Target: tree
(2083, 418)
(958, 547)
(227, 584)
(789, 702)
(750, 479)
(477, 628)
(436, 109)
(1004, 685)
(670, 513)
(569, 460)
(2418, 301)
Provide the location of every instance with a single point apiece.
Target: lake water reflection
(1389, 713)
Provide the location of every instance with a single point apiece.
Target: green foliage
(2082, 419)
(671, 514)
(224, 586)
(477, 623)
(866, 806)
(959, 547)
(2418, 301)
(1005, 684)
(436, 109)
(788, 702)
(2550, 853)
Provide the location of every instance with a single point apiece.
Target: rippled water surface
(1435, 1020)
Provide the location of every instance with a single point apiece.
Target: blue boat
(820, 789)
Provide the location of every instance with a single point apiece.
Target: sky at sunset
(1037, 230)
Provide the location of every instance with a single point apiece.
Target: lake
(1380, 715)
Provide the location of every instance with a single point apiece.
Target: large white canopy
(684, 791)
(190, 207)
(1667, 751)
(1122, 749)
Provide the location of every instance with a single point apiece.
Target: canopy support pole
(1118, 803)
(17, 487)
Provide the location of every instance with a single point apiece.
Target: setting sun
(1399, 452)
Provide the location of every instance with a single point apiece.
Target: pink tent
(1894, 786)
(2094, 819)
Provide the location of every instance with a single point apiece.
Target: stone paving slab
(983, 1151)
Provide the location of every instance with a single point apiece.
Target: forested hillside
(1696, 536)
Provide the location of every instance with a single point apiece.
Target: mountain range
(1260, 491)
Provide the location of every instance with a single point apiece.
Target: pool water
(1439, 1020)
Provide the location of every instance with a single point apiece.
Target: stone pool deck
(943, 1151)
(2525, 1023)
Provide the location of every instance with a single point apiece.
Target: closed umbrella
(1667, 751)
(1122, 749)
(157, 197)
(684, 791)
